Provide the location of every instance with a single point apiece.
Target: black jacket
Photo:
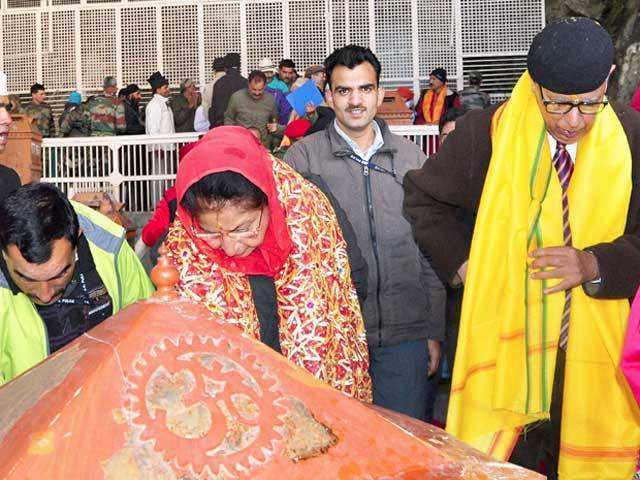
(222, 91)
(135, 125)
(9, 181)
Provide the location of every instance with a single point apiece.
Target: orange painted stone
(164, 391)
(393, 109)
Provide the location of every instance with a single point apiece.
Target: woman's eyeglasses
(238, 234)
(8, 106)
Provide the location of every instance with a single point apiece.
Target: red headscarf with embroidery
(235, 149)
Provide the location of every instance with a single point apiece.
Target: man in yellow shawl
(553, 177)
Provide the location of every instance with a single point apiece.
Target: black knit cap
(571, 56)
(440, 74)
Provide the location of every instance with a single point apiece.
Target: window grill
(69, 44)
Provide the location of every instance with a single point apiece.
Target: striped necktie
(564, 167)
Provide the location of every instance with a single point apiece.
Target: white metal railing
(137, 169)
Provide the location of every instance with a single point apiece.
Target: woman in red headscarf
(261, 248)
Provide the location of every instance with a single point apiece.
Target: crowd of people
(349, 255)
(259, 101)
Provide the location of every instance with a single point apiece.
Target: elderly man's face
(5, 122)
(320, 79)
(190, 90)
(435, 83)
(569, 127)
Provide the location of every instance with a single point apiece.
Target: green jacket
(43, 118)
(23, 336)
(105, 116)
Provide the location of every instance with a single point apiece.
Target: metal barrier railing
(137, 169)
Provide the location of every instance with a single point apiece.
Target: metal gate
(72, 44)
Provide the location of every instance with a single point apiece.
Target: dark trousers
(453, 312)
(399, 375)
(539, 444)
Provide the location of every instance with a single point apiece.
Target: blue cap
(74, 97)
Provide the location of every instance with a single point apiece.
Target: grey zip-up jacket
(405, 299)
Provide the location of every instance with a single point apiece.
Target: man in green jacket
(64, 269)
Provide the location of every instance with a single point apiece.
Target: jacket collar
(160, 98)
(340, 148)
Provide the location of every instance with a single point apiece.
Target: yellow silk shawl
(509, 328)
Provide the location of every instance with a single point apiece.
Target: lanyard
(78, 301)
(366, 166)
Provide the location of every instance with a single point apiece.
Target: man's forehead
(360, 75)
(574, 97)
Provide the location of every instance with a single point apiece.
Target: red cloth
(160, 221)
(235, 149)
(186, 148)
(406, 93)
(635, 101)
(297, 128)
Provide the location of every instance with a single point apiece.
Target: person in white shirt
(159, 121)
(201, 120)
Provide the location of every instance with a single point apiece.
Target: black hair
(351, 56)
(257, 76)
(36, 87)
(286, 63)
(217, 190)
(33, 217)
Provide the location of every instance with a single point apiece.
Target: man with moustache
(552, 179)
(363, 163)
(64, 268)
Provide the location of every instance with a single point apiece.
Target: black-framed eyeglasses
(562, 108)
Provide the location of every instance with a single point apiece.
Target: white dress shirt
(159, 120)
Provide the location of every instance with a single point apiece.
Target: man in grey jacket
(363, 164)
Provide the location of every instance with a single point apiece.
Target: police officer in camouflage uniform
(40, 111)
(73, 122)
(105, 112)
(471, 97)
